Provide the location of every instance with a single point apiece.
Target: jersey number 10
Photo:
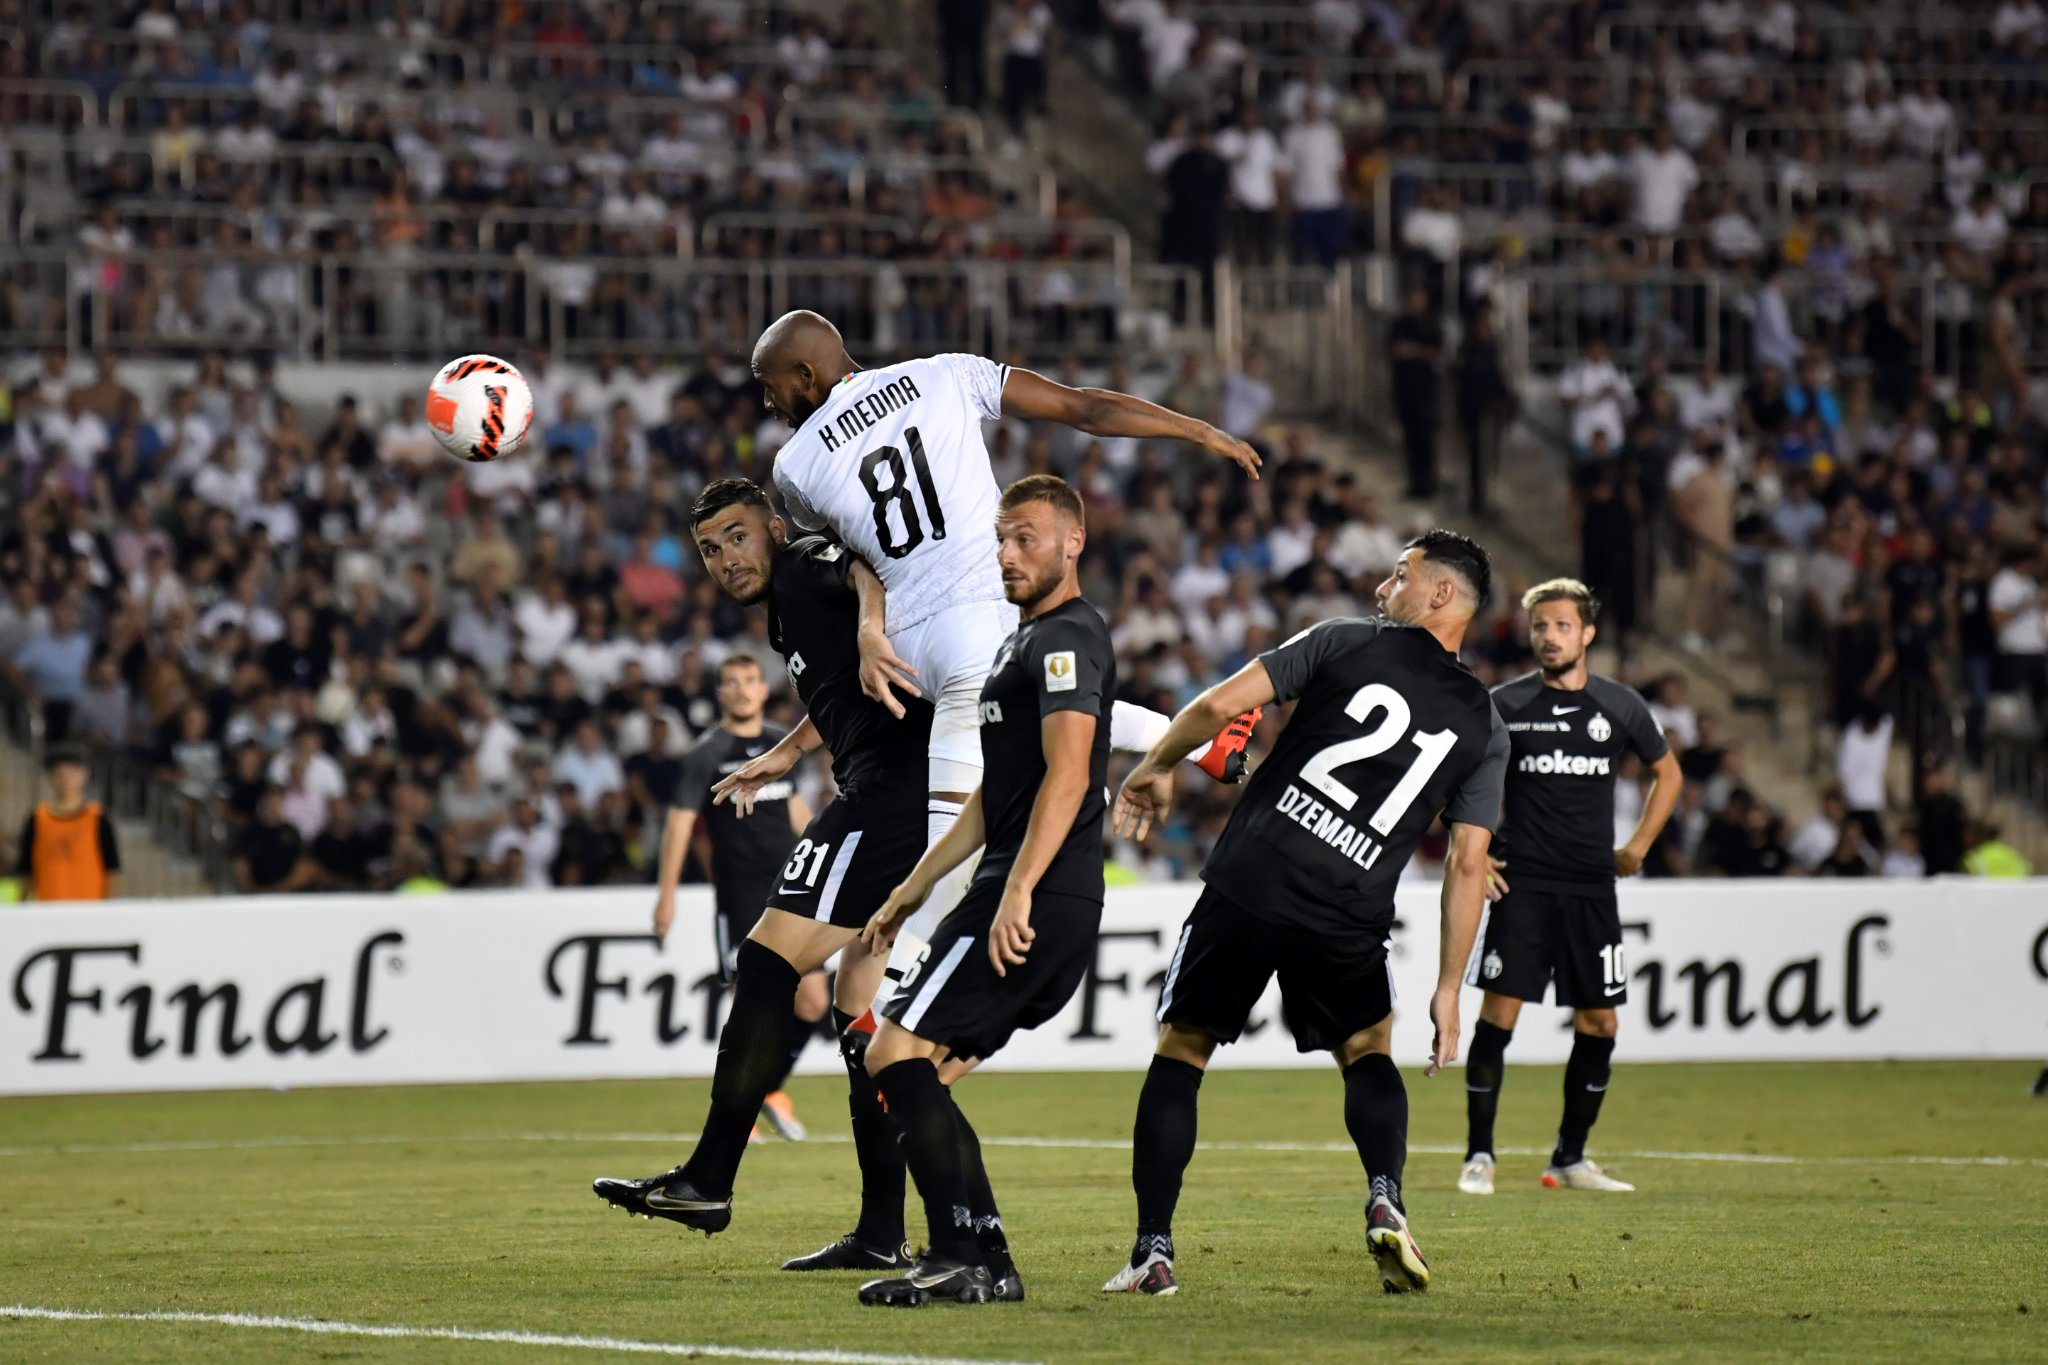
(896, 493)
(1320, 770)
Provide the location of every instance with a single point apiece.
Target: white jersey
(893, 464)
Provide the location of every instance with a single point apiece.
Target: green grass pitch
(471, 1208)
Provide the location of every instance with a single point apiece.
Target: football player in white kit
(891, 461)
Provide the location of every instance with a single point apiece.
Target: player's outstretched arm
(675, 844)
(967, 834)
(881, 671)
(1148, 791)
(743, 786)
(1667, 781)
(1464, 895)
(1105, 412)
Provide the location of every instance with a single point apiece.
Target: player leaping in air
(891, 461)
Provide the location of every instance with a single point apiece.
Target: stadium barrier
(256, 991)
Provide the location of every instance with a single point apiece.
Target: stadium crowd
(376, 664)
(443, 162)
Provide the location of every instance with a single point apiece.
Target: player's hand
(1146, 796)
(745, 785)
(1009, 938)
(1627, 862)
(881, 671)
(664, 915)
(885, 923)
(1225, 446)
(1497, 885)
(1443, 1014)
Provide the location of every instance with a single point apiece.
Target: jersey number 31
(888, 484)
(1320, 770)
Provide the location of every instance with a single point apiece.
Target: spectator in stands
(51, 665)
(1415, 345)
(68, 850)
(1312, 161)
(270, 855)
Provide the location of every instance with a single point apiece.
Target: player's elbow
(1467, 857)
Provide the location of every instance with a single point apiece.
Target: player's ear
(778, 530)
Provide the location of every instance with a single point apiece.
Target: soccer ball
(480, 408)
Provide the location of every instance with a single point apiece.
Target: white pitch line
(323, 1326)
(1076, 1144)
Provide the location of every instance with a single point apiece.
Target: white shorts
(952, 653)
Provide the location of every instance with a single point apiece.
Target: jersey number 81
(896, 493)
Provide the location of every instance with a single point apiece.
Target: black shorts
(952, 995)
(1330, 988)
(852, 855)
(1533, 937)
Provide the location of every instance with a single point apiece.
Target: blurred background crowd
(1735, 304)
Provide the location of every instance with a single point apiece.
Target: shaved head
(798, 360)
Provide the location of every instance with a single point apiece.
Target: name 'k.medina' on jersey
(1557, 825)
(814, 621)
(1389, 728)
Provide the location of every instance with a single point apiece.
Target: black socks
(932, 1147)
(797, 1035)
(1484, 1065)
(1585, 1085)
(753, 1053)
(981, 1202)
(1376, 1113)
(875, 1143)
(1162, 1144)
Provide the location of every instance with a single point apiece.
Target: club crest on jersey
(1060, 675)
(1598, 728)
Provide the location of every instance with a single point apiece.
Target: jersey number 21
(1436, 745)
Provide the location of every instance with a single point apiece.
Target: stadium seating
(632, 192)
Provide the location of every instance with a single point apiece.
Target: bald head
(798, 360)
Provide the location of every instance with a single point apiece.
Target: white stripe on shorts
(928, 990)
(1173, 972)
(830, 894)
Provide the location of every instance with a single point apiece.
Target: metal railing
(1635, 31)
(419, 304)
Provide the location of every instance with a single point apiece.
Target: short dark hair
(58, 754)
(726, 493)
(1462, 555)
(1564, 590)
(1046, 488)
(738, 659)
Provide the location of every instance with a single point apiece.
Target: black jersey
(1389, 729)
(745, 854)
(1557, 825)
(813, 621)
(1061, 661)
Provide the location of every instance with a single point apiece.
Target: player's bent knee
(1378, 1038)
(894, 1043)
(1597, 1023)
(799, 940)
(1502, 1011)
(1183, 1044)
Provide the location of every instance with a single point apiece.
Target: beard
(1032, 591)
(1561, 666)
